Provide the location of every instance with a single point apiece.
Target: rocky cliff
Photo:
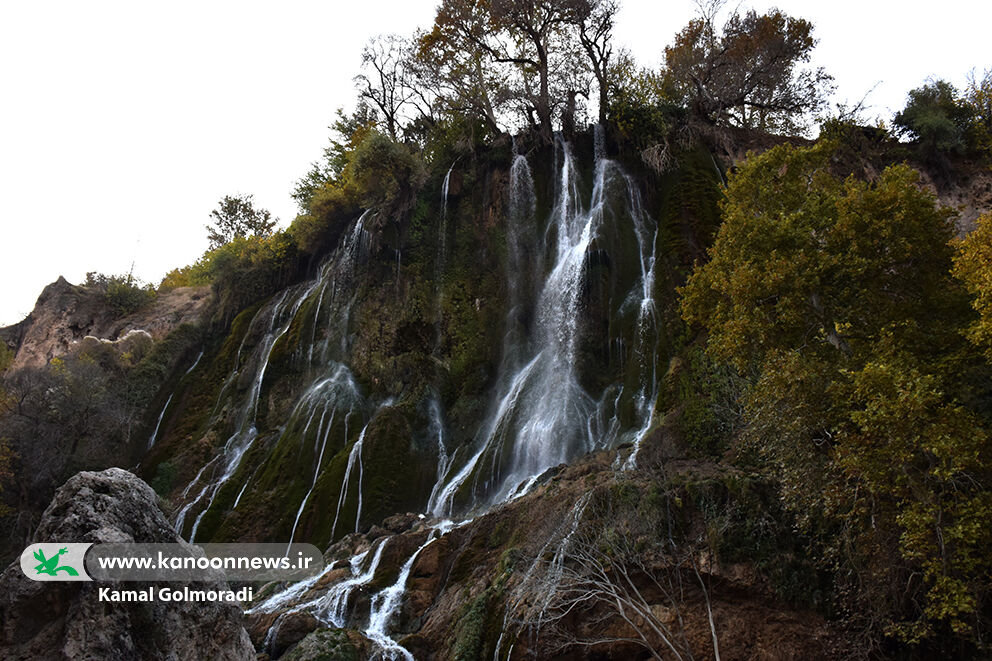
(65, 314)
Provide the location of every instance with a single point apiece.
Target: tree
(347, 132)
(973, 267)
(978, 96)
(511, 55)
(749, 74)
(596, 37)
(936, 120)
(387, 86)
(835, 297)
(236, 217)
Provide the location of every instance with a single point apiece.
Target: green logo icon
(51, 565)
(56, 561)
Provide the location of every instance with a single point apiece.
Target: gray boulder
(63, 620)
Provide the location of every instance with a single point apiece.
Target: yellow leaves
(973, 267)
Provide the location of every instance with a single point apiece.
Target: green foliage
(6, 357)
(250, 268)
(973, 266)
(124, 293)
(978, 96)
(641, 108)
(836, 296)
(471, 630)
(935, 119)
(331, 208)
(236, 218)
(197, 274)
(709, 393)
(347, 132)
(384, 171)
(165, 478)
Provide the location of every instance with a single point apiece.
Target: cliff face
(477, 407)
(64, 314)
(517, 319)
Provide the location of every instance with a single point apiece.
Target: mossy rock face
(325, 645)
(428, 313)
(399, 472)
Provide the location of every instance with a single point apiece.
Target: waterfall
(355, 456)
(158, 423)
(540, 415)
(332, 608)
(537, 414)
(385, 603)
(331, 387)
(435, 430)
(440, 259)
(336, 394)
(151, 440)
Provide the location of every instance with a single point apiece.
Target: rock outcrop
(66, 313)
(56, 620)
(513, 583)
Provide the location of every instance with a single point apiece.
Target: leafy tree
(749, 74)
(499, 56)
(973, 266)
(978, 96)
(347, 132)
(236, 217)
(835, 296)
(936, 119)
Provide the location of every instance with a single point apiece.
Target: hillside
(679, 383)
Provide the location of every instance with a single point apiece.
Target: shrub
(124, 293)
(936, 119)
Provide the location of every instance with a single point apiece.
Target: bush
(196, 274)
(936, 119)
(124, 293)
(384, 172)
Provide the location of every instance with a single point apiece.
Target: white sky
(123, 123)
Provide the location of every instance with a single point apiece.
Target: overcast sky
(123, 123)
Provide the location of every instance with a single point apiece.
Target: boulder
(66, 620)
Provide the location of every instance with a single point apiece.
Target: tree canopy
(836, 298)
(749, 73)
(236, 217)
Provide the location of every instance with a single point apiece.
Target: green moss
(165, 478)
(471, 629)
(324, 645)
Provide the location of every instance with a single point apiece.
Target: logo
(51, 565)
(55, 562)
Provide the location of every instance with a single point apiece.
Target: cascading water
(151, 439)
(161, 416)
(336, 395)
(541, 415)
(436, 431)
(354, 457)
(385, 603)
(332, 391)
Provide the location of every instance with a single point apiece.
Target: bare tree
(386, 84)
(596, 36)
(601, 565)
